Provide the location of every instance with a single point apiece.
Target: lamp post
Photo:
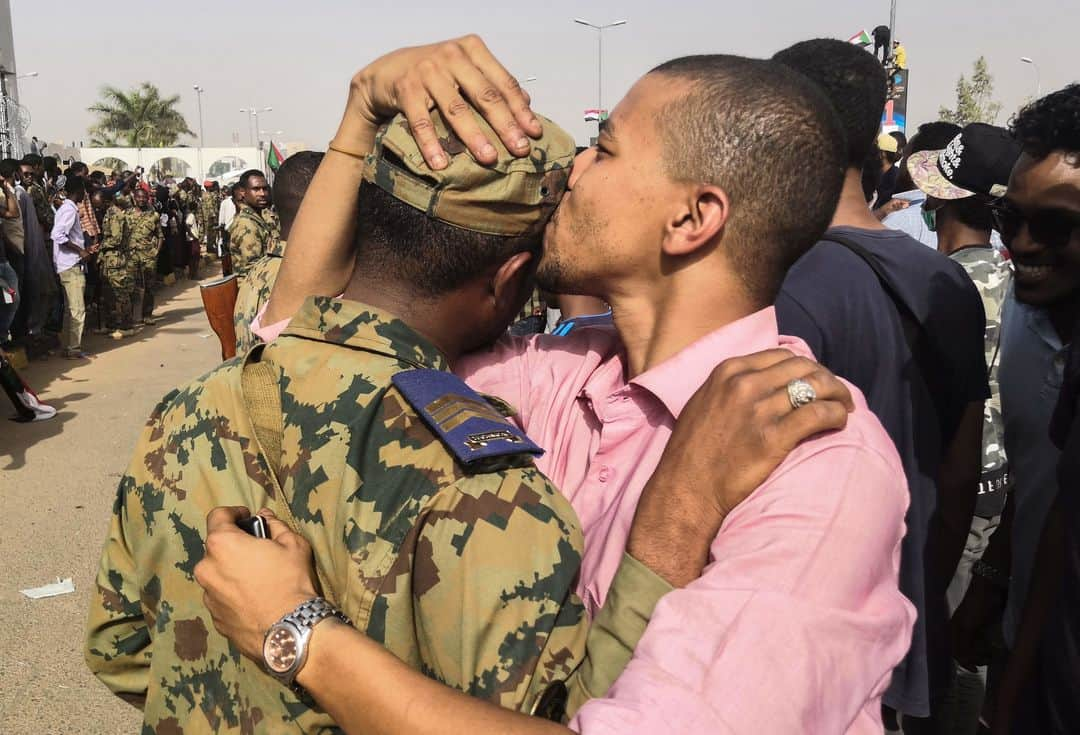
(198, 96)
(144, 126)
(27, 75)
(599, 55)
(254, 111)
(1038, 78)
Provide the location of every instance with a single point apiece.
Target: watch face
(279, 650)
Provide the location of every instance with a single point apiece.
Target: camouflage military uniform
(466, 575)
(117, 272)
(145, 238)
(42, 208)
(254, 292)
(250, 235)
(208, 219)
(271, 216)
(993, 277)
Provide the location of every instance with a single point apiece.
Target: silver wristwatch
(285, 647)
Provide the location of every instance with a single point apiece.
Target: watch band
(303, 619)
(313, 611)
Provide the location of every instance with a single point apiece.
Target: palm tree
(140, 117)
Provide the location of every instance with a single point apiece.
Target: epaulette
(479, 437)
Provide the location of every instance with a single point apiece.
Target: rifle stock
(219, 300)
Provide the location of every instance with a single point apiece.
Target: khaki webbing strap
(259, 383)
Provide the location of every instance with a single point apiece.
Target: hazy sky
(298, 56)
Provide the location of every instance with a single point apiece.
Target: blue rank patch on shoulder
(471, 428)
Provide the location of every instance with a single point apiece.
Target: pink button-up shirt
(797, 621)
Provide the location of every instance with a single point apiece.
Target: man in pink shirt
(711, 177)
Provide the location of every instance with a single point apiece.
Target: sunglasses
(1052, 228)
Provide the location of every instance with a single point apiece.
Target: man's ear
(510, 281)
(702, 218)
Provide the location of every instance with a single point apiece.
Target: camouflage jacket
(992, 275)
(114, 231)
(250, 235)
(253, 293)
(208, 211)
(467, 577)
(144, 231)
(42, 208)
(271, 216)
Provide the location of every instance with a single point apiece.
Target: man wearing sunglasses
(1040, 223)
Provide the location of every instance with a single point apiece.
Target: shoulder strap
(913, 329)
(262, 398)
(922, 350)
(473, 430)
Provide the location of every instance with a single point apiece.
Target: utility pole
(198, 96)
(892, 31)
(599, 55)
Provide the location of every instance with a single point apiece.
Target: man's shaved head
(770, 139)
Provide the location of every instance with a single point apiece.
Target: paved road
(57, 484)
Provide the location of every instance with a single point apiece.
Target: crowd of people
(800, 457)
(79, 244)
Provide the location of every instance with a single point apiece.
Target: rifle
(219, 300)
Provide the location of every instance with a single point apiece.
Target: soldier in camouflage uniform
(432, 529)
(253, 293)
(290, 185)
(145, 238)
(960, 194)
(117, 272)
(208, 218)
(38, 196)
(255, 228)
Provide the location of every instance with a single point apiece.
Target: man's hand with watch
(277, 622)
(285, 647)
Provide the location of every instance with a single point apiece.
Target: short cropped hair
(291, 182)
(75, 185)
(8, 167)
(433, 257)
(853, 80)
(770, 139)
(247, 176)
(1050, 124)
(31, 159)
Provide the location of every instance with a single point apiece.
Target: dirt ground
(57, 484)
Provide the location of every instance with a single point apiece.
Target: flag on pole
(594, 115)
(862, 38)
(274, 158)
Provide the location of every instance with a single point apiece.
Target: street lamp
(198, 96)
(1038, 80)
(27, 75)
(144, 126)
(528, 79)
(599, 55)
(254, 112)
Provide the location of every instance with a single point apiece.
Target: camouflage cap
(514, 196)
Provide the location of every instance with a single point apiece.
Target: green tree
(974, 98)
(140, 116)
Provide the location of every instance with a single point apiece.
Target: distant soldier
(290, 184)
(253, 230)
(208, 216)
(145, 238)
(117, 271)
(35, 187)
